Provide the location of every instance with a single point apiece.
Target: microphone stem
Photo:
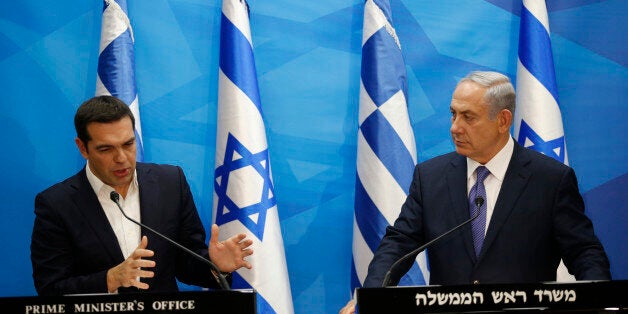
(386, 281)
(221, 278)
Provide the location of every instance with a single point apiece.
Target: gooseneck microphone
(115, 197)
(479, 201)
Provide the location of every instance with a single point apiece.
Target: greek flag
(116, 62)
(244, 199)
(386, 146)
(538, 123)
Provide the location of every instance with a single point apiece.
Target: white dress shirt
(126, 231)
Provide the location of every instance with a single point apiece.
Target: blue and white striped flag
(386, 146)
(538, 123)
(244, 199)
(116, 62)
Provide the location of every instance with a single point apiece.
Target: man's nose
(120, 155)
(455, 126)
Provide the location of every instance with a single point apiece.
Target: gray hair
(500, 94)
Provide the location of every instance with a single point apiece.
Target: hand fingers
(246, 264)
(349, 308)
(247, 252)
(134, 273)
(141, 285)
(138, 284)
(139, 263)
(145, 274)
(139, 253)
(246, 243)
(239, 237)
(127, 276)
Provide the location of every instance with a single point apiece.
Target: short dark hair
(102, 109)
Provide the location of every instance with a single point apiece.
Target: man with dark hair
(531, 214)
(82, 243)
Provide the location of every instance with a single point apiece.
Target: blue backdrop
(308, 58)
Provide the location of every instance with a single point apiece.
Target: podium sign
(548, 297)
(234, 301)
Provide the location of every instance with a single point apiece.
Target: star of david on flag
(244, 198)
(538, 123)
(252, 195)
(554, 148)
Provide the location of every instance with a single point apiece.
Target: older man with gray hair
(531, 213)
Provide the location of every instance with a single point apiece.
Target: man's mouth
(121, 173)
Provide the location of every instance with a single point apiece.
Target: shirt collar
(498, 164)
(98, 186)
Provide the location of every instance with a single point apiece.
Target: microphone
(115, 197)
(479, 201)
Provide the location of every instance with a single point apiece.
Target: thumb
(215, 233)
(143, 243)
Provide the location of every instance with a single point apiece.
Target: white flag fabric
(538, 123)
(116, 62)
(244, 199)
(386, 146)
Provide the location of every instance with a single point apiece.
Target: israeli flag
(116, 62)
(386, 146)
(244, 198)
(538, 123)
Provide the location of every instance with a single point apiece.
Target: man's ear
(81, 147)
(505, 120)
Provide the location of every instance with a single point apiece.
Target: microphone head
(114, 196)
(479, 201)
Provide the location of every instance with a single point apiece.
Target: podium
(581, 297)
(206, 302)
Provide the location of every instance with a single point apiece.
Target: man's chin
(124, 181)
(461, 150)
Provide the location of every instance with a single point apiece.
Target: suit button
(476, 282)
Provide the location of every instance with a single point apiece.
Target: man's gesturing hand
(127, 273)
(229, 255)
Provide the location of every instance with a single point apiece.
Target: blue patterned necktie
(479, 224)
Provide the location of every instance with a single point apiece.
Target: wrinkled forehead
(468, 96)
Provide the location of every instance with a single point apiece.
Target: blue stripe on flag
(384, 5)
(237, 61)
(535, 51)
(383, 75)
(383, 71)
(116, 68)
(242, 134)
(371, 223)
(414, 277)
(121, 3)
(262, 305)
(389, 148)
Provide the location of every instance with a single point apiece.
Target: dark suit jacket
(538, 219)
(73, 244)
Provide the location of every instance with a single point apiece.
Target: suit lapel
(149, 197)
(89, 206)
(515, 181)
(457, 180)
